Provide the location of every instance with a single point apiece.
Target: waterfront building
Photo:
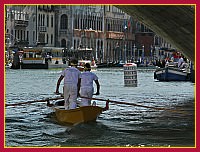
(100, 32)
(30, 25)
(16, 23)
(144, 42)
(163, 49)
(89, 31)
(94, 31)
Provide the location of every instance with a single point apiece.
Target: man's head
(87, 67)
(73, 62)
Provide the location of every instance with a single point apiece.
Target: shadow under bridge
(175, 23)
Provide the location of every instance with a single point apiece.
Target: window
(74, 44)
(21, 35)
(51, 20)
(27, 35)
(18, 34)
(51, 38)
(64, 22)
(47, 38)
(43, 20)
(39, 20)
(63, 43)
(47, 20)
(33, 35)
(75, 23)
(24, 35)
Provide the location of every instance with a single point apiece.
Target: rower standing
(71, 76)
(85, 85)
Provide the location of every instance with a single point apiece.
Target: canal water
(122, 125)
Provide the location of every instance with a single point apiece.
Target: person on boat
(85, 85)
(180, 62)
(93, 62)
(71, 76)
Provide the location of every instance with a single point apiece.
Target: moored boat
(57, 62)
(33, 59)
(119, 64)
(172, 74)
(55, 57)
(81, 64)
(8, 65)
(43, 58)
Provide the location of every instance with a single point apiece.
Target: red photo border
(2, 77)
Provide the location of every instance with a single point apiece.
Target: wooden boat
(172, 74)
(78, 115)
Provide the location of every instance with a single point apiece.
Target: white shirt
(180, 61)
(87, 79)
(71, 75)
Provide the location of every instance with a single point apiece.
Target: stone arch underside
(175, 23)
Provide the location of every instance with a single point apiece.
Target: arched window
(39, 19)
(47, 38)
(74, 43)
(63, 43)
(64, 22)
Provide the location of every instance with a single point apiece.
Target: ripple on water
(122, 125)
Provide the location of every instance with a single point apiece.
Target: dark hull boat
(172, 74)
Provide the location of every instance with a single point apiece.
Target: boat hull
(57, 66)
(81, 64)
(34, 66)
(171, 74)
(81, 68)
(78, 115)
(43, 66)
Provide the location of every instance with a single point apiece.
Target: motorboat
(81, 64)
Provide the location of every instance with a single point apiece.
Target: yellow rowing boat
(78, 115)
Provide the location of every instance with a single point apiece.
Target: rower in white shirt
(85, 85)
(71, 76)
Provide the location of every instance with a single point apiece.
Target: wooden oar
(132, 104)
(28, 102)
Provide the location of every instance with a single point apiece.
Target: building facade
(100, 32)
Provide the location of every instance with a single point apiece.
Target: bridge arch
(175, 23)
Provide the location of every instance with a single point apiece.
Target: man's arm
(79, 86)
(58, 83)
(98, 87)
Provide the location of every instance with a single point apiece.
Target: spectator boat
(172, 74)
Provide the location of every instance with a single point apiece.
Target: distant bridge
(175, 23)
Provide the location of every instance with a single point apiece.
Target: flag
(125, 27)
(125, 24)
(129, 23)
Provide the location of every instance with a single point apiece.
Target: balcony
(21, 23)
